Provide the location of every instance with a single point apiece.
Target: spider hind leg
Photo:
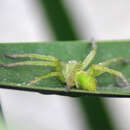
(97, 70)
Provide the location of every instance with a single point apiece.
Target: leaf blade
(18, 77)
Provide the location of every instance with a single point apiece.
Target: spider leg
(97, 70)
(35, 63)
(119, 60)
(39, 63)
(71, 77)
(90, 57)
(118, 82)
(36, 56)
(52, 74)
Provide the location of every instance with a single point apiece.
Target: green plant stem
(63, 30)
(2, 120)
(96, 113)
(58, 20)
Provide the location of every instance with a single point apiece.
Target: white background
(20, 21)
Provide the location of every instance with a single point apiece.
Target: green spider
(72, 73)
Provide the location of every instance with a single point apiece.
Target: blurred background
(46, 20)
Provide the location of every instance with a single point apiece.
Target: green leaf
(18, 77)
(67, 32)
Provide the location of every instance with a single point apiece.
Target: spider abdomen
(85, 81)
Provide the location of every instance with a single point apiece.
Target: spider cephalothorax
(73, 73)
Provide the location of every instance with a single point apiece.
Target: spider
(72, 73)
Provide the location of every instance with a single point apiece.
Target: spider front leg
(35, 63)
(97, 70)
(35, 56)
